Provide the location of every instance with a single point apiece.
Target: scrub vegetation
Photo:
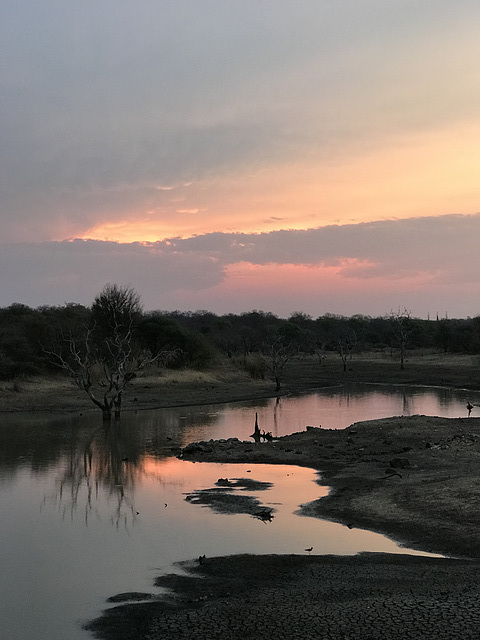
(105, 347)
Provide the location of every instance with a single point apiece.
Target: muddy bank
(416, 479)
(364, 597)
(160, 389)
(228, 383)
(61, 396)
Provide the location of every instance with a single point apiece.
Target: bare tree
(345, 346)
(103, 358)
(401, 321)
(278, 349)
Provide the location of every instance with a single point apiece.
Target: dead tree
(256, 435)
(345, 346)
(277, 353)
(401, 322)
(102, 373)
(103, 359)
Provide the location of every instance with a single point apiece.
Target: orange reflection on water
(200, 530)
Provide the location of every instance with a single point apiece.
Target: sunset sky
(286, 155)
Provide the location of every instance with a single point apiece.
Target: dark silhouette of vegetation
(402, 328)
(278, 348)
(160, 332)
(116, 330)
(104, 356)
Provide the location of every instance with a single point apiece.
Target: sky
(320, 156)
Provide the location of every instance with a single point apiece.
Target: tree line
(27, 335)
(103, 347)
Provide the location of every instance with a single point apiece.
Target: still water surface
(88, 512)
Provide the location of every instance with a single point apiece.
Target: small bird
(309, 550)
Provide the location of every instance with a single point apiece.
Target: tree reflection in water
(100, 466)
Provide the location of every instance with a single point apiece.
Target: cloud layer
(425, 264)
(229, 155)
(260, 115)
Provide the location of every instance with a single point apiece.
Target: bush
(255, 367)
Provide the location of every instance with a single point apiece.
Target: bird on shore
(309, 550)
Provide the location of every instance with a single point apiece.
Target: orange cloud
(427, 174)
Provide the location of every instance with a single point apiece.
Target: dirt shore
(416, 479)
(226, 383)
(364, 597)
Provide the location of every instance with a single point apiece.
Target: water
(88, 512)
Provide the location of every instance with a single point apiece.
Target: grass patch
(222, 374)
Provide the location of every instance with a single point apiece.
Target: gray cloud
(59, 272)
(428, 262)
(104, 100)
(444, 245)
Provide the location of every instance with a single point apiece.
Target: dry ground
(227, 382)
(151, 390)
(365, 597)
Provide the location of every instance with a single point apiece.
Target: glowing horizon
(388, 183)
(194, 122)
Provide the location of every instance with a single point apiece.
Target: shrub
(255, 367)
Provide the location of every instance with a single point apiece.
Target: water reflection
(112, 458)
(90, 510)
(98, 464)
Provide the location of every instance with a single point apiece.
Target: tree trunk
(104, 406)
(256, 434)
(118, 406)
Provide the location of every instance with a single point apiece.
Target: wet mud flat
(368, 596)
(225, 497)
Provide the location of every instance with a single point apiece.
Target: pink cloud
(420, 263)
